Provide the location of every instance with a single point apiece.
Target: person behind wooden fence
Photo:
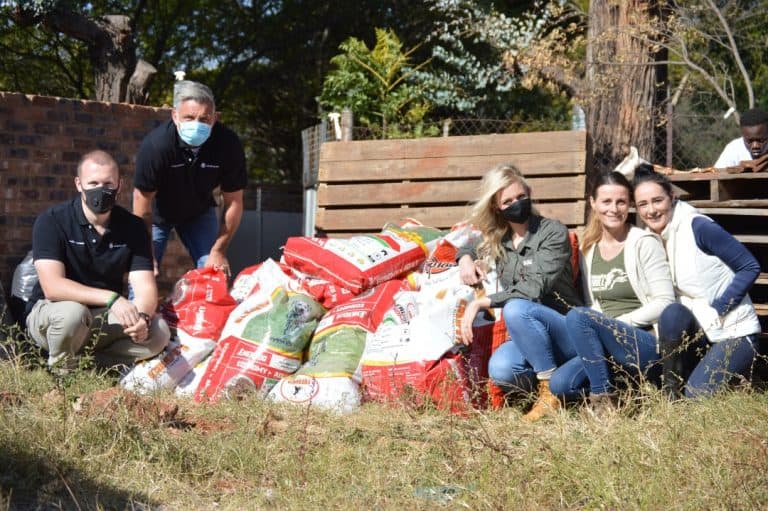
(751, 145)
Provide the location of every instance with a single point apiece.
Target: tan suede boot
(547, 404)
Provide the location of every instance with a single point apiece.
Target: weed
(62, 448)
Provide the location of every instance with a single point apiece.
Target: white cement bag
(188, 385)
(167, 369)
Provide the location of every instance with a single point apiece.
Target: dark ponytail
(644, 173)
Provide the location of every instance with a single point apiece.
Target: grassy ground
(77, 443)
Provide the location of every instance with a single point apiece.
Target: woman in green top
(628, 284)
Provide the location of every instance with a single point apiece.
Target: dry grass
(73, 444)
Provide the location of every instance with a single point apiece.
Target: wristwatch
(146, 318)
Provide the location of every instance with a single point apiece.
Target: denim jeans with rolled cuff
(539, 342)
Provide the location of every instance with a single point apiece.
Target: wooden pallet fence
(365, 184)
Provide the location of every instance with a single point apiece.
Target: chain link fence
(694, 133)
(698, 131)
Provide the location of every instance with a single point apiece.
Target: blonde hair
(593, 231)
(485, 214)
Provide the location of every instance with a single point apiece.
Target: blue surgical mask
(194, 133)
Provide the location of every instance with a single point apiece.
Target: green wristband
(112, 300)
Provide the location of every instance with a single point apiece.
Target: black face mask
(518, 212)
(100, 199)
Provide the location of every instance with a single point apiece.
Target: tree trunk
(138, 85)
(110, 43)
(113, 55)
(622, 80)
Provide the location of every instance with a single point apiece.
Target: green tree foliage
(721, 47)
(33, 60)
(374, 84)
(265, 60)
(469, 75)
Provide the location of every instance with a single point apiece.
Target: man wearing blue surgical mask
(179, 165)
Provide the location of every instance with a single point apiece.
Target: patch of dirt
(145, 411)
(54, 397)
(210, 426)
(274, 424)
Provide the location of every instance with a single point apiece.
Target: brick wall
(41, 140)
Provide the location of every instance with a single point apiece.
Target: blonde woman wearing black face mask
(532, 257)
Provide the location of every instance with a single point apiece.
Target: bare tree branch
(734, 51)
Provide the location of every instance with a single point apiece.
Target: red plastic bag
(200, 303)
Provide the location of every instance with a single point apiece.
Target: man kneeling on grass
(82, 250)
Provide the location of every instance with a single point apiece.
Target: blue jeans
(597, 337)
(689, 358)
(539, 343)
(198, 236)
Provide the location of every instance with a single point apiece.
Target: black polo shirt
(184, 178)
(62, 233)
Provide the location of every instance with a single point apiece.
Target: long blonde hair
(485, 214)
(593, 231)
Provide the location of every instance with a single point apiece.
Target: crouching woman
(708, 338)
(532, 258)
(628, 284)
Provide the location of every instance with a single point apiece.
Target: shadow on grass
(31, 481)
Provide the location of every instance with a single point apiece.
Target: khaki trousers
(64, 329)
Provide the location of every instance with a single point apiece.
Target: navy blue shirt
(62, 233)
(712, 239)
(185, 177)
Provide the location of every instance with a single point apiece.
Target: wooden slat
(372, 219)
(430, 192)
(505, 144)
(717, 176)
(752, 238)
(761, 309)
(457, 167)
(347, 234)
(734, 211)
(762, 279)
(736, 203)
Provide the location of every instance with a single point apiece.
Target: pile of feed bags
(359, 262)
(335, 323)
(264, 339)
(417, 351)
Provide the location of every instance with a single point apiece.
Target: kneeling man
(82, 251)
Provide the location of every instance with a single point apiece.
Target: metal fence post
(347, 123)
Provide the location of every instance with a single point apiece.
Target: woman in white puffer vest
(707, 339)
